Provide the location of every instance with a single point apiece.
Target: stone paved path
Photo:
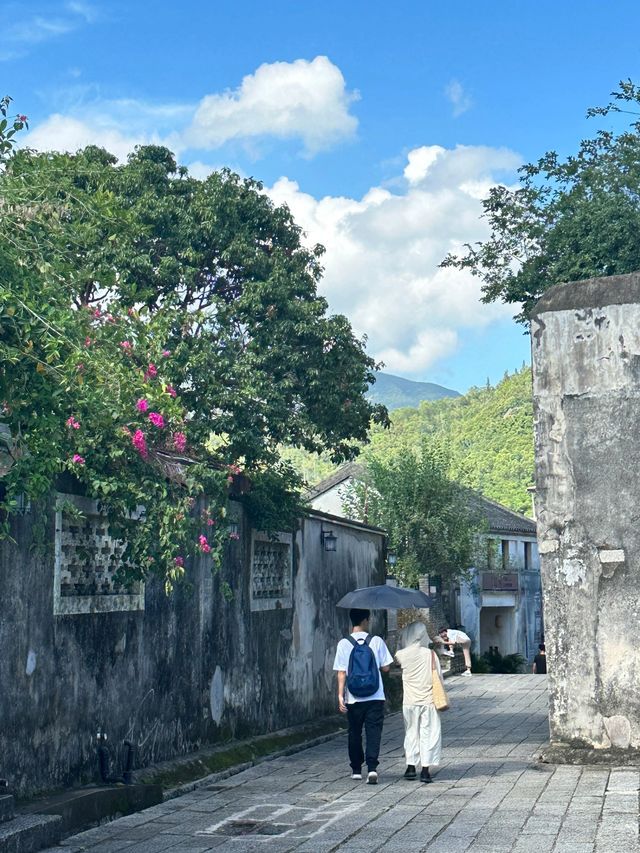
(488, 796)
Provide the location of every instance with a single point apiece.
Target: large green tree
(568, 219)
(145, 315)
(427, 514)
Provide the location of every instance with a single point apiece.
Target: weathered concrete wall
(586, 358)
(186, 671)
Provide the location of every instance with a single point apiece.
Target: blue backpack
(363, 675)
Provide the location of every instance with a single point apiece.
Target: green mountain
(396, 392)
(489, 432)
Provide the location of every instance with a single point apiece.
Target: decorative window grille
(87, 559)
(271, 571)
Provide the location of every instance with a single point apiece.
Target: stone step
(28, 833)
(6, 807)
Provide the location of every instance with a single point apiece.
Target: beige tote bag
(440, 699)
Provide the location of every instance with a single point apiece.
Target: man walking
(359, 659)
(540, 661)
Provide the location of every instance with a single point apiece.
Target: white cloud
(62, 133)
(383, 252)
(304, 100)
(301, 99)
(102, 124)
(459, 99)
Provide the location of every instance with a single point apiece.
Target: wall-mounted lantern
(391, 559)
(233, 529)
(328, 539)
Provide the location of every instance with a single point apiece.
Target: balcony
(499, 581)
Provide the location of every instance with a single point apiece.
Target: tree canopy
(429, 519)
(568, 219)
(146, 315)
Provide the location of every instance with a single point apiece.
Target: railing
(500, 581)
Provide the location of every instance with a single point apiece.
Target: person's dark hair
(357, 616)
(541, 647)
(444, 628)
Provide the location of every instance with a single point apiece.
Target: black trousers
(370, 715)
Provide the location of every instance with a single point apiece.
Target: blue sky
(380, 124)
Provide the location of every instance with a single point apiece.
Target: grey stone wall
(188, 670)
(586, 358)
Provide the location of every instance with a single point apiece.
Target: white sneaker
(449, 654)
(372, 778)
(467, 672)
(356, 776)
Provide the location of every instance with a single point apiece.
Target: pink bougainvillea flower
(230, 479)
(151, 372)
(126, 346)
(204, 545)
(142, 405)
(79, 460)
(140, 443)
(87, 342)
(73, 423)
(23, 118)
(97, 313)
(156, 419)
(171, 391)
(166, 353)
(179, 441)
(179, 561)
(210, 522)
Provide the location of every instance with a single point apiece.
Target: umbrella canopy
(385, 598)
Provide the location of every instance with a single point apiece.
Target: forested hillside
(489, 432)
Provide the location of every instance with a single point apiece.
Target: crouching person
(423, 734)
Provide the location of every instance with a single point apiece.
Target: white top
(456, 636)
(417, 678)
(341, 663)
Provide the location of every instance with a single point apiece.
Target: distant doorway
(497, 628)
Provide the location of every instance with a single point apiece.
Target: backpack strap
(366, 641)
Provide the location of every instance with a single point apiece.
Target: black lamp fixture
(391, 559)
(233, 529)
(328, 539)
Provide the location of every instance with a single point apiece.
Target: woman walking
(423, 734)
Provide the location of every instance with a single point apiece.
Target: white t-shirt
(341, 663)
(456, 636)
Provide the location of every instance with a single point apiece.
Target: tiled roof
(345, 472)
(499, 518)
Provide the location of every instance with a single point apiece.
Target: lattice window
(271, 571)
(87, 561)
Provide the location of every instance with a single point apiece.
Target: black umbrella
(385, 598)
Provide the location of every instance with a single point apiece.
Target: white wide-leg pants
(423, 735)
